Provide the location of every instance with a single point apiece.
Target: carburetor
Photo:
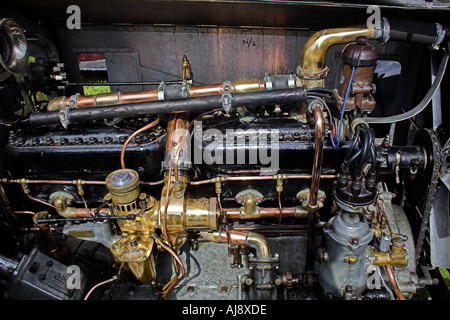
(135, 246)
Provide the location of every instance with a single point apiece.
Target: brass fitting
(61, 201)
(312, 70)
(249, 85)
(279, 178)
(389, 258)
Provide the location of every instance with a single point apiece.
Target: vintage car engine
(318, 178)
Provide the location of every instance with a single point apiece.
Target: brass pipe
(312, 70)
(58, 252)
(248, 238)
(235, 213)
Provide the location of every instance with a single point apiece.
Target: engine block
(301, 184)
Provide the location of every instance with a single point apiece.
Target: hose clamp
(226, 96)
(184, 90)
(161, 88)
(268, 83)
(385, 31)
(313, 103)
(63, 114)
(440, 35)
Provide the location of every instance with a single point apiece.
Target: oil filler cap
(123, 186)
(122, 178)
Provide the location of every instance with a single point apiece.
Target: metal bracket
(226, 96)
(63, 114)
(184, 90)
(161, 88)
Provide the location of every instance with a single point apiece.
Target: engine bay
(276, 160)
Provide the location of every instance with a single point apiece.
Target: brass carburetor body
(135, 248)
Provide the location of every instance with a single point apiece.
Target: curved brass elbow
(312, 70)
(250, 239)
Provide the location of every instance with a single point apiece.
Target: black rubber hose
(413, 31)
(284, 96)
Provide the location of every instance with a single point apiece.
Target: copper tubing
(176, 127)
(262, 178)
(134, 134)
(82, 213)
(235, 213)
(318, 155)
(25, 212)
(98, 285)
(314, 190)
(180, 263)
(312, 58)
(155, 183)
(54, 181)
(115, 98)
(251, 239)
(391, 277)
(40, 201)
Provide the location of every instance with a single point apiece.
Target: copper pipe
(262, 178)
(280, 208)
(184, 140)
(319, 132)
(394, 284)
(166, 200)
(314, 191)
(114, 98)
(235, 213)
(134, 134)
(98, 285)
(25, 212)
(177, 130)
(251, 239)
(155, 183)
(176, 125)
(40, 201)
(82, 213)
(180, 263)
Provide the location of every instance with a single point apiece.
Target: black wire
(355, 141)
(353, 158)
(365, 150)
